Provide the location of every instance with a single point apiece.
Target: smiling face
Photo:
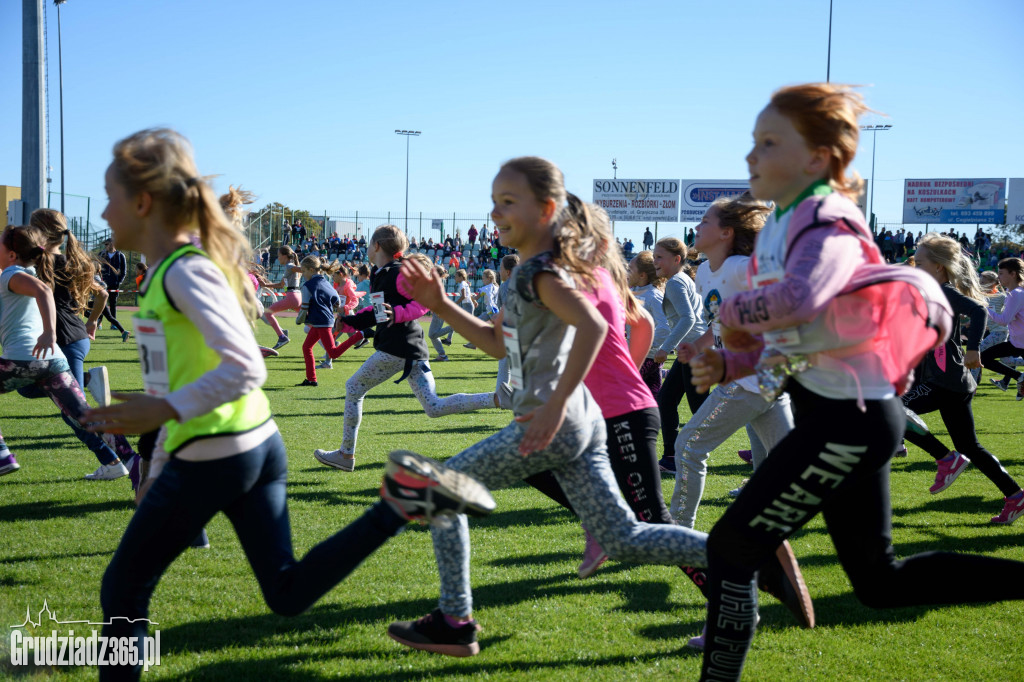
(781, 164)
(666, 263)
(519, 218)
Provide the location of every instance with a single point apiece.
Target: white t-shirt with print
(716, 286)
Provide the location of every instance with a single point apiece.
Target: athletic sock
(455, 622)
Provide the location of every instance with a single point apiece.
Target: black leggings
(632, 449)
(990, 358)
(955, 411)
(835, 461)
(676, 384)
(110, 312)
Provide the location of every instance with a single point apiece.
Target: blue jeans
(250, 489)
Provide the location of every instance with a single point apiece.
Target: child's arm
(818, 266)
(26, 285)
(424, 286)
(571, 307)
(202, 294)
(1011, 308)
(641, 334)
(99, 302)
(304, 308)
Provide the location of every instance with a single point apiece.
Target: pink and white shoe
(1011, 510)
(948, 472)
(593, 556)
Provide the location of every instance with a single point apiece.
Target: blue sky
(298, 101)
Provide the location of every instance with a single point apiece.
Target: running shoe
(914, 423)
(108, 472)
(446, 342)
(1020, 388)
(336, 459)
(433, 633)
(504, 396)
(422, 489)
(746, 455)
(97, 381)
(1001, 384)
(308, 382)
(902, 451)
(325, 364)
(8, 465)
(469, 346)
(282, 340)
(361, 344)
(1011, 510)
(783, 580)
(268, 352)
(698, 641)
(735, 492)
(948, 472)
(667, 464)
(202, 541)
(593, 556)
(124, 336)
(442, 358)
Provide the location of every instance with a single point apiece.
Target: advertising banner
(1015, 202)
(697, 195)
(639, 200)
(954, 201)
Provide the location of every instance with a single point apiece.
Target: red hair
(825, 114)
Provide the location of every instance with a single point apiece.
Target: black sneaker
(1001, 384)
(202, 541)
(782, 579)
(420, 488)
(307, 382)
(667, 464)
(432, 633)
(361, 344)
(446, 342)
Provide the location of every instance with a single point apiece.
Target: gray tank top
(544, 342)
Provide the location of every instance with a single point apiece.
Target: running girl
(400, 349)
(848, 420)
(649, 289)
(726, 235)
(946, 385)
(463, 296)
(437, 327)
(1011, 276)
(682, 307)
(995, 332)
(219, 449)
(552, 335)
(31, 357)
(319, 301)
(292, 298)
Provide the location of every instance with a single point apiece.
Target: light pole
(615, 176)
(874, 130)
(408, 134)
(60, 71)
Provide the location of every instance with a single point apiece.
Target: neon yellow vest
(188, 358)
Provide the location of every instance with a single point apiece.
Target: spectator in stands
(286, 234)
(471, 235)
(483, 235)
(648, 239)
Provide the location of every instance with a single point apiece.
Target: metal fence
(265, 228)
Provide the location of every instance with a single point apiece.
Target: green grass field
(58, 532)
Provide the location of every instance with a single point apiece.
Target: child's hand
(686, 352)
(739, 340)
(391, 313)
(138, 413)
(90, 329)
(544, 424)
(660, 356)
(44, 344)
(707, 369)
(422, 284)
(972, 359)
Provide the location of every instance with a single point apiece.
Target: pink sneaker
(948, 472)
(593, 556)
(1011, 511)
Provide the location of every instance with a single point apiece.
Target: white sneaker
(325, 364)
(108, 472)
(99, 385)
(504, 394)
(334, 458)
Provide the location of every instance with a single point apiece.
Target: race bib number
(152, 343)
(514, 355)
(779, 338)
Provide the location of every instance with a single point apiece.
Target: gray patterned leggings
(436, 331)
(579, 460)
(380, 367)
